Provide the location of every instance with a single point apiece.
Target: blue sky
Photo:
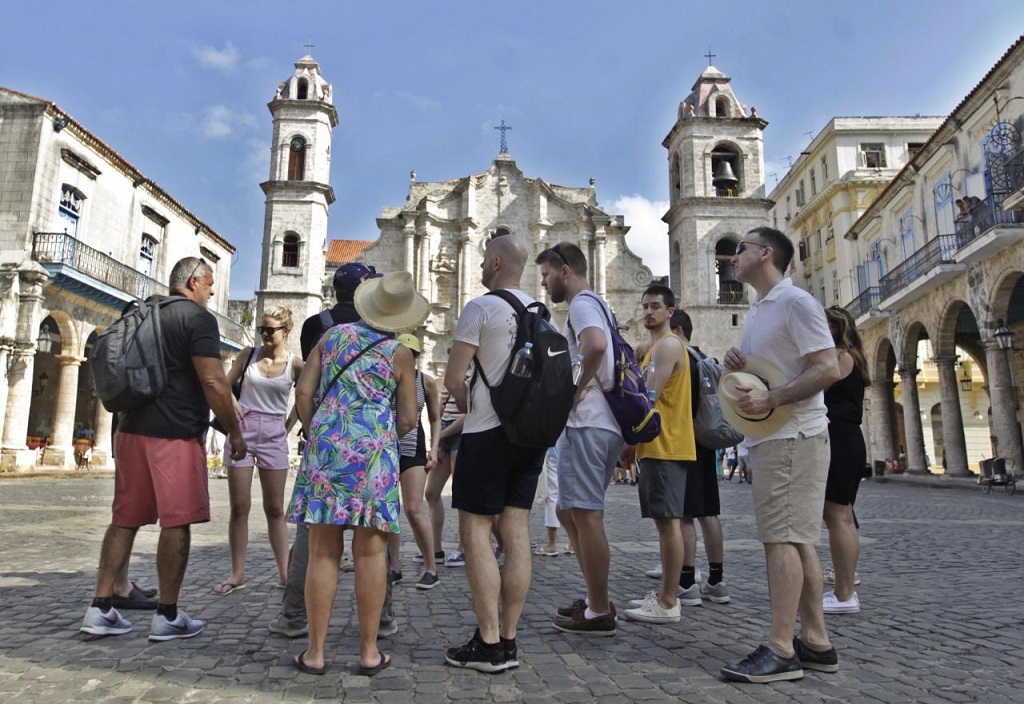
(590, 88)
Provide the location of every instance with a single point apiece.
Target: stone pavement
(942, 621)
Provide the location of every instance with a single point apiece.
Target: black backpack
(533, 411)
(127, 358)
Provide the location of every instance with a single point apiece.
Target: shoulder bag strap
(241, 378)
(347, 365)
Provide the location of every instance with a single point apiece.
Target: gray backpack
(127, 359)
(709, 427)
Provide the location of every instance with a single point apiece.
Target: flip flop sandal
(544, 553)
(300, 664)
(385, 661)
(220, 589)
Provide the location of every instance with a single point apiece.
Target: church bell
(724, 178)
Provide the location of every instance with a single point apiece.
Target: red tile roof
(341, 251)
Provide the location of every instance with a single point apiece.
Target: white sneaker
(691, 596)
(831, 605)
(110, 623)
(716, 593)
(828, 576)
(654, 573)
(650, 611)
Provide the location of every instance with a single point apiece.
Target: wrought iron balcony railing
(732, 295)
(1014, 169)
(982, 218)
(868, 299)
(936, 251)
(62, 248)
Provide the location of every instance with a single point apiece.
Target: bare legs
(412, 483)
(114, 555)
(489, 586)
(272, 482)
(171, 560)
(586, 532)
(844, 544)
(670, 542)
(325, 544)
(436, 480)
(794, 586)
(369, 552)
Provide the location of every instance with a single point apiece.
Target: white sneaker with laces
(831, 605)
(650, 611)
(828, 576)
(654, 573)
(110, 623)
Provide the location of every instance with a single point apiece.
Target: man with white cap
(773, 395)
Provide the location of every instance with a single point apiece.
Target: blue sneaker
(456, 559)
(182, 627)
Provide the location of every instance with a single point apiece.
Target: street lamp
(1004, 338)
(966, 384)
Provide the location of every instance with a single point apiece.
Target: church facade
(440, 234)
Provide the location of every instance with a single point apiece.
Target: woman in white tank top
(268, 373)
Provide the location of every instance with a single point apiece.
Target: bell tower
(298, 195)
(716, 195)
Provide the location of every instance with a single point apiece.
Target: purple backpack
(634, 412)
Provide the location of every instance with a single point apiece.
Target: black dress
(845, 403)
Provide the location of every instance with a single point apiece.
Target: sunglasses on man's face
(743, 245)
(267, 332)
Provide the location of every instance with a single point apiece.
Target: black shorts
(663, 487)
(702, 486)
(491, 473)
(848, 456)
(451, 443)
(420, 458)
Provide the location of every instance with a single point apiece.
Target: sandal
(385, 661)
(225, 588)
(301, 666)
(544, 552)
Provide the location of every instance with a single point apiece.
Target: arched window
(729, 289)
(297, 159)
(722, 107)
(501, 232)
(726, 171)
(303, 91)
(290, 250)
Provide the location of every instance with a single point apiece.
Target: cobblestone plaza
(941, 618)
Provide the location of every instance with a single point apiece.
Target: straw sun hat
(390, 303)
(758, 373)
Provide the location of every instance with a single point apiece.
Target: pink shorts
(159, 478)
(266, 438)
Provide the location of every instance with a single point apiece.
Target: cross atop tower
(504, 144)
(309, 47)
(710, 56)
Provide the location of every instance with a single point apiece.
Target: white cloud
(648, 234)
(221, 122)
(224, 60)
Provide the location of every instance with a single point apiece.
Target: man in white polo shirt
(787, 327)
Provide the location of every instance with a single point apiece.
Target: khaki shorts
(789, 488)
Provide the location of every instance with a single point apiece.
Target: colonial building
(939, 294)
(716, 194)
(82, 232)
(298, 194)
(439, 236)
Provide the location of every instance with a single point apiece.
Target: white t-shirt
(489, 324)
(783, 327)
(587, 311)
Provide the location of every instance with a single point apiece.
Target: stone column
(465, 272)
(423, 279)
(60, 452)
(1004, 404)
(600, 275)
(912, 422)
(883, 420)
(102, 442)
(953, 441)
(540, 233)
(410, 250)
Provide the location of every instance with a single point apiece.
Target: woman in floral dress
(349, 472)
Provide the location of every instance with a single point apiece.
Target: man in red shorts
(159, 460)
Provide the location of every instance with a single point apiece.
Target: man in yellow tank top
(665, 461)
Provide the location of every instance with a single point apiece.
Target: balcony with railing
(732, 294)
(987, 229)
(922, 271)
(84, 270)
(865, 302)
